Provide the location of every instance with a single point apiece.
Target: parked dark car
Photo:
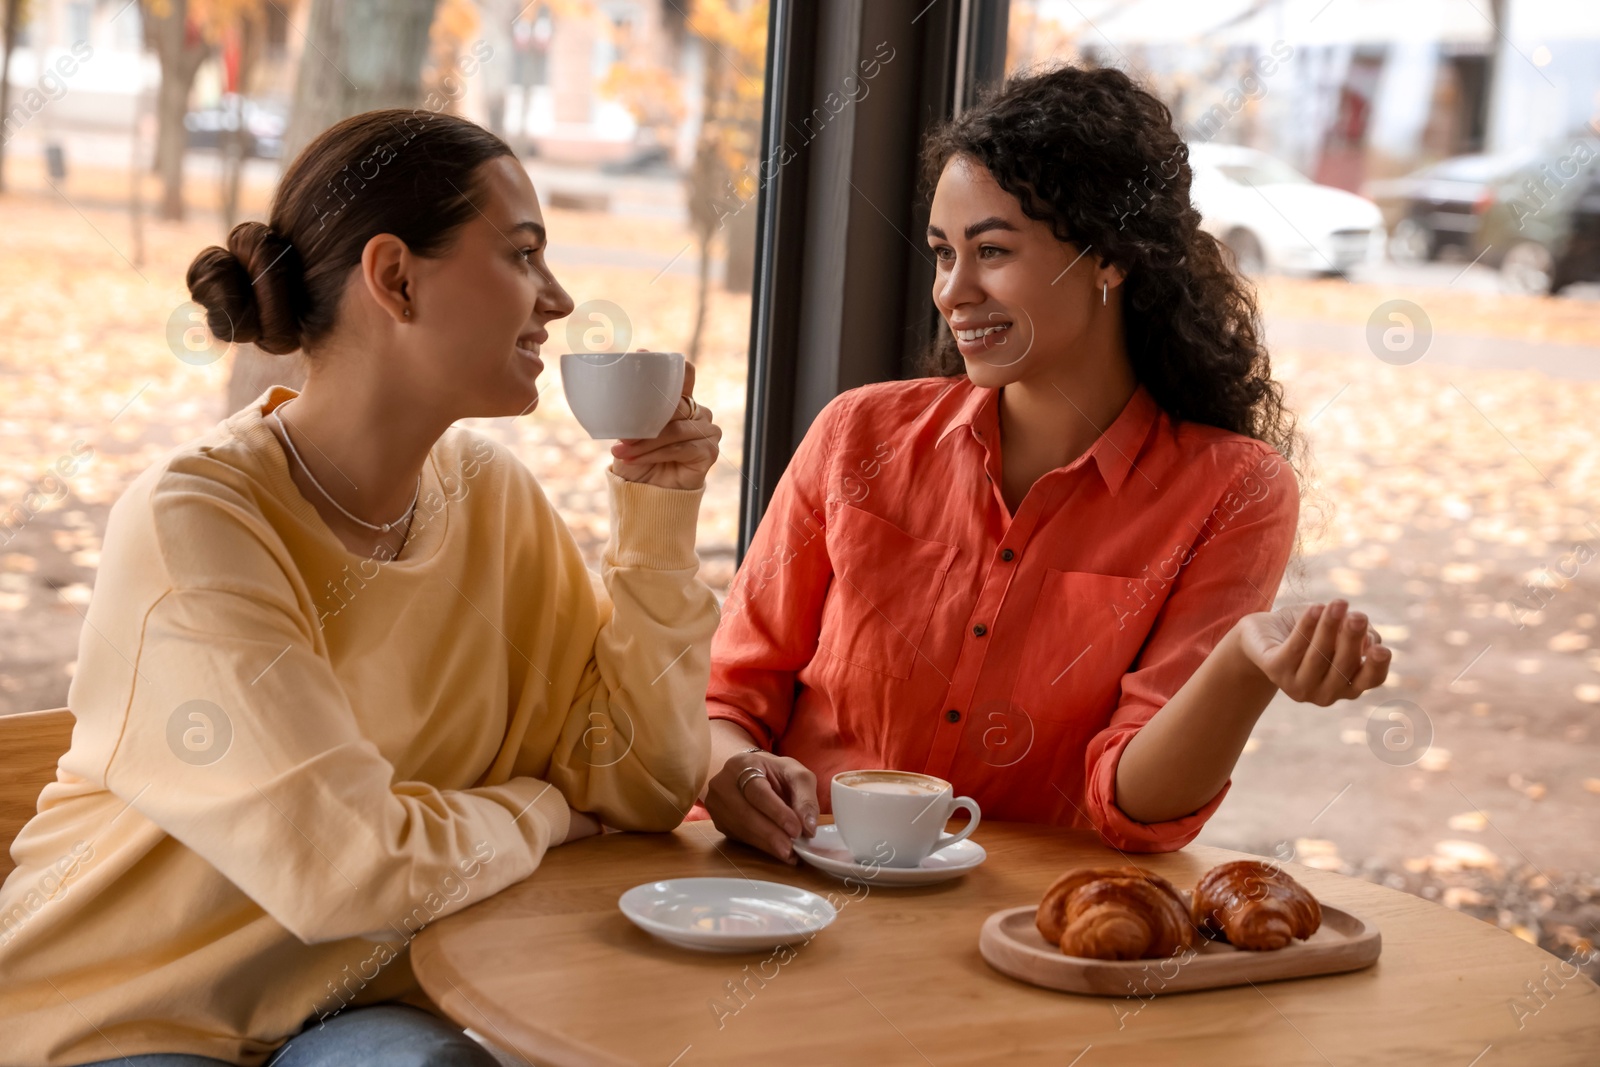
(1543, 229)
(1435, 211)
(262, 127)
(646, 159)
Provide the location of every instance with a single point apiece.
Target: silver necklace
(386, 527)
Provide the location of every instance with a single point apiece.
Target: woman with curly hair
(1044, 571)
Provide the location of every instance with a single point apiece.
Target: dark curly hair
(1096, 157)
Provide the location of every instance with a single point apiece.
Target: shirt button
(980, 629)
(1007, 555)
(952, 715)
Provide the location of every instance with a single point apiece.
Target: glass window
(1446, 397)
(92, 393)
(619, 191)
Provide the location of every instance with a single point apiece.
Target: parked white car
(1274, 218)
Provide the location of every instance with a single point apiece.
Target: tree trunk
(136, 179)
(180, 50)
(374, 53)
(739, 244)
(707, 180)
(359, 55)
(237, 144)
(1498, 44)
(702, 296)
(231, 149)
(495, 28)
(9, 43)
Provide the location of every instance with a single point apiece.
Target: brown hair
(1096, 157)
(400, 171)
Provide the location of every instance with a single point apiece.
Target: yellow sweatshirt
(288, 759)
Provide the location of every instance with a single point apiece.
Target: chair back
(30, 745)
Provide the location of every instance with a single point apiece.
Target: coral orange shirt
(891, 612)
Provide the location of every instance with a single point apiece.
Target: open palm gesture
(1319, 655)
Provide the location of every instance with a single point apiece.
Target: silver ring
(694, 406)
(748, 775)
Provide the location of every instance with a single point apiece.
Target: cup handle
(966, 831)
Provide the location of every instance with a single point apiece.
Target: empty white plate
(827, 853)
(726, 914)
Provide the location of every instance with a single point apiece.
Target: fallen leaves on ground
(1552, 319)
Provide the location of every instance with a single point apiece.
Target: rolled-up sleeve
(1235, 564)
(773, 612)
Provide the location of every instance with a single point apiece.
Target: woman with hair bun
(344, 668)
(1042, 572)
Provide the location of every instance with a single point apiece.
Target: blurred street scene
(1414, 187)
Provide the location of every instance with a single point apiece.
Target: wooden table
(552, 969)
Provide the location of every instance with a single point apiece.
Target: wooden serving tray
(1011, 944)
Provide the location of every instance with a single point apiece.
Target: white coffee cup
(896, 818)
(622, 395)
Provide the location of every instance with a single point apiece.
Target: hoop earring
(1104, 287)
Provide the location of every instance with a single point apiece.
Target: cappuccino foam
(897, 785)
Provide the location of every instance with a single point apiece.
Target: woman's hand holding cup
(767, 810)
(680, 455)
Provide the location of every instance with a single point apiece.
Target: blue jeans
(383, 1035)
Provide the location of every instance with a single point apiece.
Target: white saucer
(726, 914)
(827, 853)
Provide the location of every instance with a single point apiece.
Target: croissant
(1254, 905)
(1114, 913)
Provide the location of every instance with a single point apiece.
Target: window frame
(840, 295)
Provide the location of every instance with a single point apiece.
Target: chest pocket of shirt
(1086, 631)
(886, 583)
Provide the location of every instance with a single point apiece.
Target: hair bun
(250, 289)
